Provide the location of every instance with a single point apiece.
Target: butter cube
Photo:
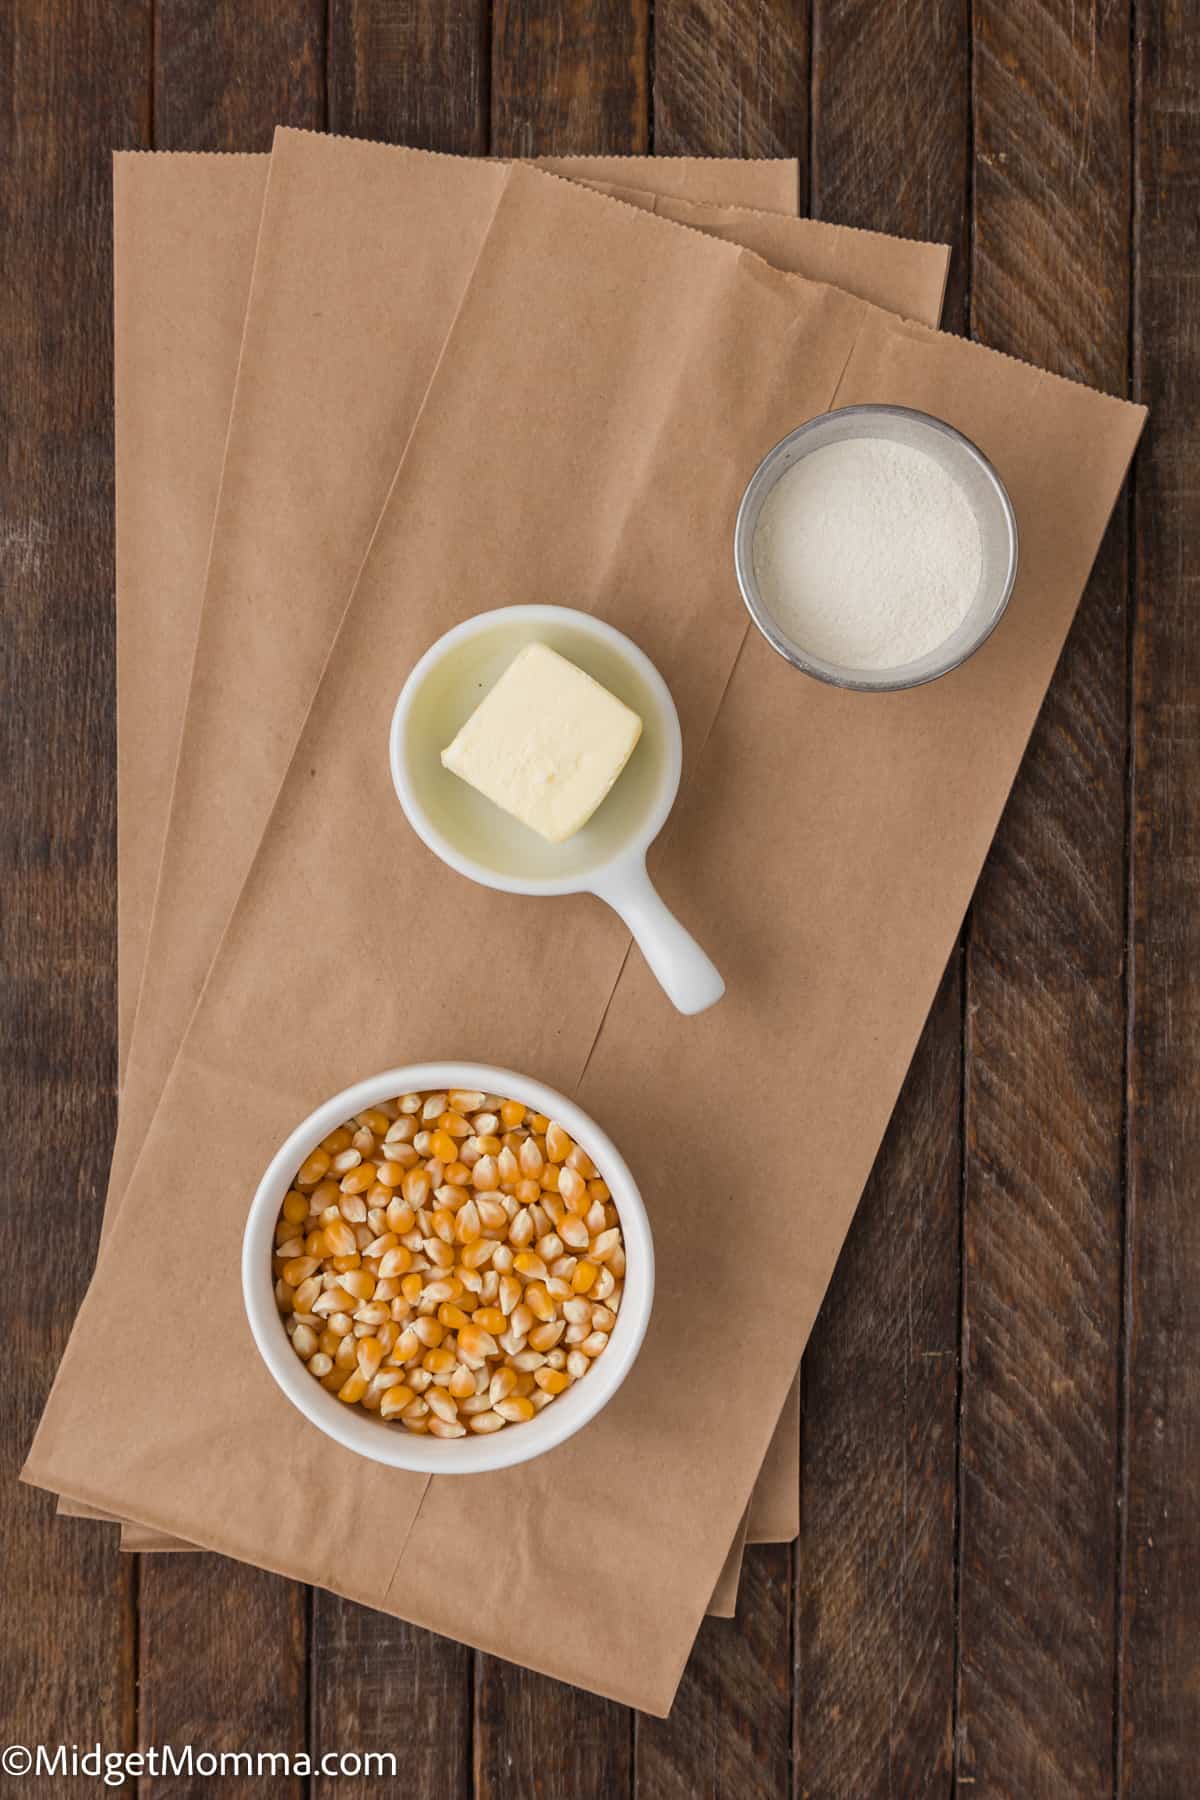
(546, 744)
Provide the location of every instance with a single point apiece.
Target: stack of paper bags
(462, 385)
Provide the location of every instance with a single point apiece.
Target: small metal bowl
(980, 483)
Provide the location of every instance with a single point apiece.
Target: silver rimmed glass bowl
(984, 491)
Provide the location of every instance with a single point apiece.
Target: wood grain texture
(729, 1733)
(570, 77)
(874, 1680)
(1159, 1695)
(381, 1685)
(410, 72)
(566, 79)
(1045, 998)
(875, 1574)
(731, 78)
(222, 1652)
(537, 1737)
(222, 76)
(890, 144)
(76, 83)
(226, 72)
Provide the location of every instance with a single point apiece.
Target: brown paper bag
(862, 870)
(908, 276)
(184, 232)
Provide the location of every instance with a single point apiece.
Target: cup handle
(689, 979)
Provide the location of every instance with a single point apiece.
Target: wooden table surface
(997, 1585)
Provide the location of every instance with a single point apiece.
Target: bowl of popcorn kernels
(448, 1268)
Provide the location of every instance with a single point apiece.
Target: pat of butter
(546, 744)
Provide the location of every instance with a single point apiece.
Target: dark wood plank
(226, 72)
(241, 1686)
(414, 75)
(570, 78)
(223, 76)
(874, 1683)
(379, 1685)
(411, 73)
(77, 83)
(1046, 957)
(566, 79)
(731, 78)
(1159, 1698)
(889, 124)
(875, 1574)
(729, 1733)
(534, 1736)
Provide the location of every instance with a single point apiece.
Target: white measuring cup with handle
(608, 856)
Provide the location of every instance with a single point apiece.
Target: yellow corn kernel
(395, 1400)
(370, 1355)
(438, 1361)
(299, 1269)
(530, 1264)
(416, 1187)
(475, 1345)
(359, 1283)
(552, 1381)
(462, 1382)
(340, 1238)
(400, 1216)
(605, 1246)
(465, 1100)
(485, 1176)
(502, 1384)
(447, 1287)
(353, 1388)
(429, 1330)
(467, 1224)
(538, 1123)
(442, 1145)
(558, 1145)
(457, 1174)
(451, 1316)
(313, 1168)
(338, 1140)
(544, 1337)
(490, 1318)
(375, 1122)
(512, 1114)
(295, 1207)
(573, 1188)
(584, 1277)
(516, 1409)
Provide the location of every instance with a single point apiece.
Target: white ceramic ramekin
(364, 1432)
(608, 856)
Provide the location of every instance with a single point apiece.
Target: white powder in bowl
(867, 553)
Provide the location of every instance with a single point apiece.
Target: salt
(867, 553)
